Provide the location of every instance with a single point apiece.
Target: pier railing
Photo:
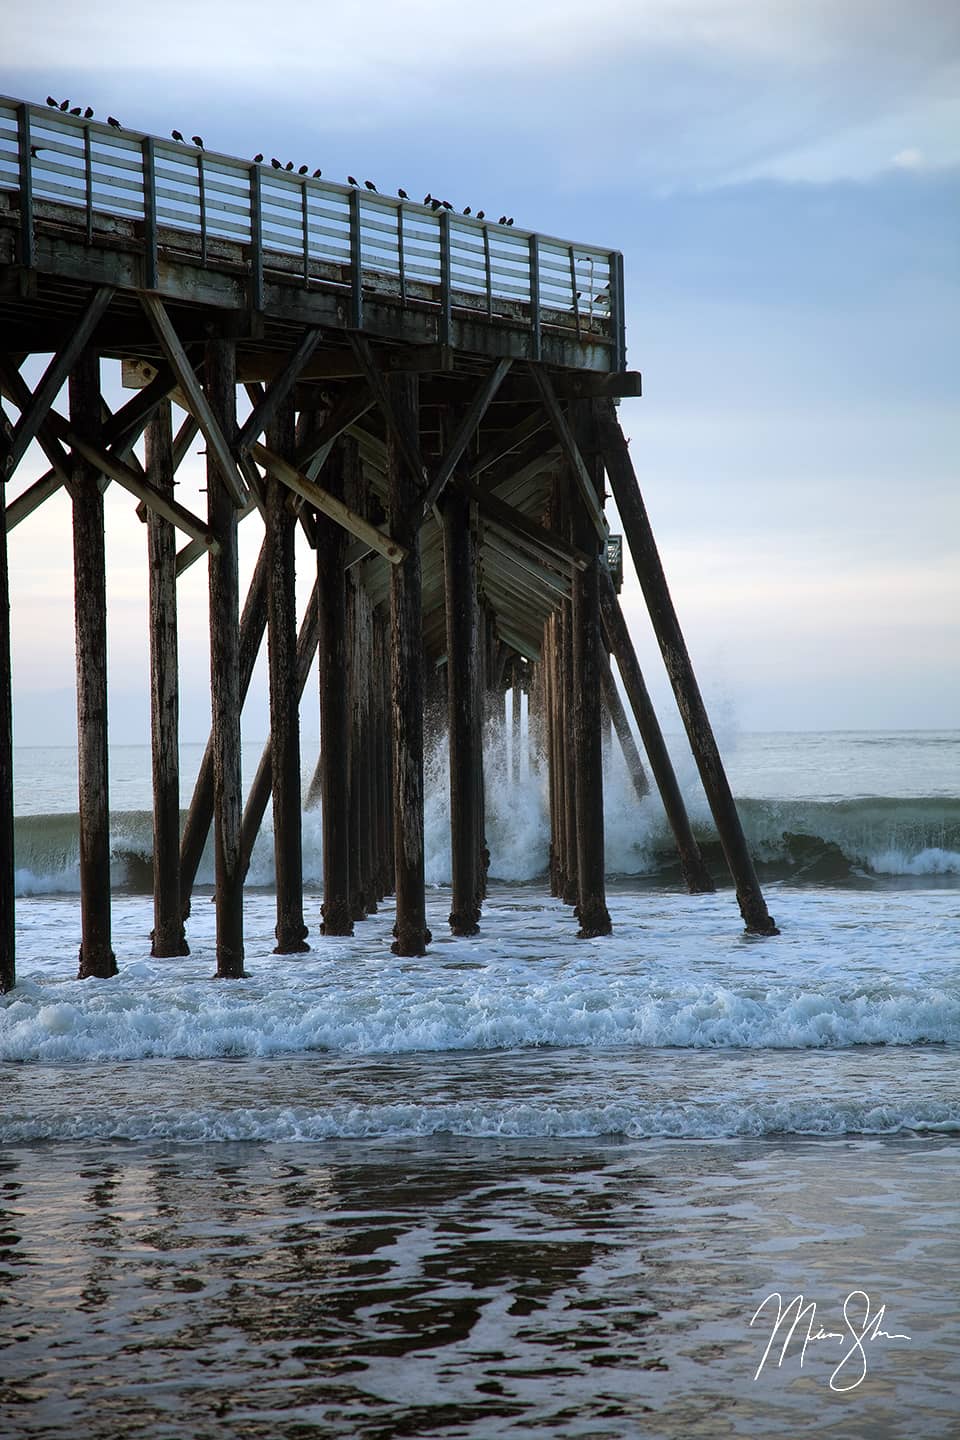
(351, 236)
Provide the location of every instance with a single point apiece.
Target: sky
(783, 178)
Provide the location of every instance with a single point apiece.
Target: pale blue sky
(783, 180)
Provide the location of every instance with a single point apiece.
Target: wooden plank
(329, 505)
(8, 968)
(513, 520)
(197, 402)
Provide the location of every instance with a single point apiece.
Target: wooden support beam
(570, 449)
(406, 440)
(54, 377)
(588, 658)
(291, 931)
(329, 505)
(407, 483)
(466, 756)
(265, 411)
(514, 522)
(676, 658)
(136, 482)
(695, 872)
(505, 444)
(465, 432)
(168, 936)
(351, 404)
(90, 610)
(8, 966)
(225, 691)
(262, 786)
(334, 709)
(631, 755)
(195, 400)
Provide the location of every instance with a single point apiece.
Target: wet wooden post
(618, 717)
(406, 621)
(570, 893)
(588, 656)
(466, 757)
(554, 711)
(8, 967)
(225, 696)
(197, 826)
(334, 707)
(168, 937)
(516, 719)
(284, 693)
(653, 582)
(358, 681)
(89, 569)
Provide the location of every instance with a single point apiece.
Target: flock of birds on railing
(303, 170)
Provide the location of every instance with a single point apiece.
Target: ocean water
(526, 1182)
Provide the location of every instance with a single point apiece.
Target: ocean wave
(132, 1018)
(803, 841)
(505, 1119)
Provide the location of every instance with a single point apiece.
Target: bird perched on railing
(370, 186)
(403, 194)
(467, 210)
(54, 103)
(64, 105)
(197, 141)
(276, 163)
(289, 166)
(510, 221)
(258, 159)
(350, 180)
(75, 110)
(175, 135)
(481, 214)
(317, 173)
(428, 198)
(304, 169)
(502, 220)
(88, 113)
(114, 123)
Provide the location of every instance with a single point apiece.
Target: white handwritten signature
(861, 1330)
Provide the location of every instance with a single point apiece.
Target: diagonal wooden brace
(570, 449)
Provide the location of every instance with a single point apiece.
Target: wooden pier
(431, 398)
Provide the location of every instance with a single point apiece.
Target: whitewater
(525, 1180)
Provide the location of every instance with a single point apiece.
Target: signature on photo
(862, 1327)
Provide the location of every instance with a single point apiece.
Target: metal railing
(367, 242)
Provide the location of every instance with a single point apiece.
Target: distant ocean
(524, 1183)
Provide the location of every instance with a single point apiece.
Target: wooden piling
(90, 611)
(225, 697)
(406, 622)
(570, 894)
(168, 937)
(337, 910)
(516, 718)
(8, 966)
(676, 658)
(466, 756)
(284, 692)
(692, 866)
(618, 718)
(197, 827)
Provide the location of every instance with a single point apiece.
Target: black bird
(317, 173)
(467, 210)
(258, 159)
(303, 170)
(350, 180)
(288, 166)
(64, 105)
(446, 204)
(88, 113)
(54, 103)
(428, 199)
(175, 135)
(370, 186)
(403, 194)
(114, 123)
(481, 214)
(435, 204)
(75, 110)
(510, 221)
(276, 163)
(502, 220)
(197, 141)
